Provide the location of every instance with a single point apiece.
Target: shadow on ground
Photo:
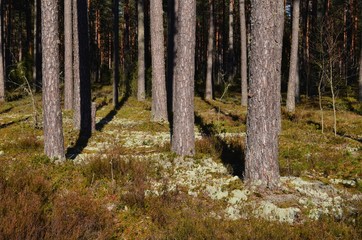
(232, 155)
(82, 141)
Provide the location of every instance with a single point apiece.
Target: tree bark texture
(183, 138)
(82, 90)
(231, 60)
(244, 57)
(53, 130)
(360, 74)
(37, 67)
(141, 86)
(263, 120)
(115, 51)
(2, 73)
(210, 53)
(68, 56)
(159, 96)
(293, 68)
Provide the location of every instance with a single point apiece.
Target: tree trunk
(159, 97)
(183, 138)
(2, 73)
(37, 67)
(293, 69)
(210, 54)
(68, 56)
(141, 92)
(263, 118)
(244, 58)
(53, 130)
(230, 66)
(82, 90)
(360, 74)
(115, 51)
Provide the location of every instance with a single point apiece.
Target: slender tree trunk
(231, 60)
(37, 67)
(82, 90)
(210, 53)
(141, 93)
(244, 58)
(263, 119)
(53, 130)
(68, 56)
(183, 138)
(2, 73)
(159, 97)
(115, 51)
(293, 69)
(360, 74)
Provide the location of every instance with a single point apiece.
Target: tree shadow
(231, 155)
(4, 125)
(83, 139)
(6, 110)
(233, 117)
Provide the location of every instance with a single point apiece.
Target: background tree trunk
(360, 74)
(210, 54)
(37, 67)
(2, 73)
(183, 138)
(263, 118)
(82, 90)
(115, 51)
(159, 97)
(293, 69)
(68, 56)
(244, 58)
(141, 87)
(53, 130)
(230, 55)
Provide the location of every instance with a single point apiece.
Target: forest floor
(125, 183)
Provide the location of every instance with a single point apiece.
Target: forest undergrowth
(124, 183)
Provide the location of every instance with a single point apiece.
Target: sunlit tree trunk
(183, 138)
(210, 53)
(53, 130)
(68, 56)
(2, 73)
(263, 118)
(230, 63)
(141, 91)
(159, 97)
(293, 69)
(115, 51)
(244, 58)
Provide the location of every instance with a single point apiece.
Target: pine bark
(293, 69)
(53, 130)
(2, 73)
(68, 56)
(263, 119)
(159, 96)
(141, 86)
(82, 90)
(231, 60)
(244, 57)
(360, 75)
(210, 53)
(183, 138)
(115, 51)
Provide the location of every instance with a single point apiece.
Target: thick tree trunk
(115, 51)
(210, 54)
(263, 121)
(68, 56)
(82, 90)
(293, 69)
(183, 138)
(244, 58)
(53, 130)
(2, 73)
(141, 88)
(159, 97)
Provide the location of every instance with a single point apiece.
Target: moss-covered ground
(106, 188)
